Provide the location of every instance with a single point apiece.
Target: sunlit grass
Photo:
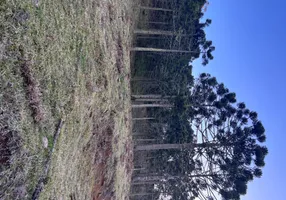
(72, 49)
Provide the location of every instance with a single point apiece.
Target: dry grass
(76, 67)
(32, 87)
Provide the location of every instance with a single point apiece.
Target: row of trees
(214, 144)
(175, 29)
(192, 139)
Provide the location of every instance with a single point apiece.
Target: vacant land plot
(68, 61)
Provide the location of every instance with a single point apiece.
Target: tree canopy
(218, 144)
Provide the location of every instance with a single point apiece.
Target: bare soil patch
(103, 189)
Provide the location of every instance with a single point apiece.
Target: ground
(65, 61)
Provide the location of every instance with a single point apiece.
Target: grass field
(65, 60)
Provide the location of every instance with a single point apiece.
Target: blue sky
(250, 40)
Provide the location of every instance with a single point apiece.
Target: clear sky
(250, 56)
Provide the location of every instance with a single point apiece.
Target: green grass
(71, 48)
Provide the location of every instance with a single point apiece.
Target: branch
(40, 183)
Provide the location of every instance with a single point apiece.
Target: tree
(146, 49)
(240, 155)
(156, 9)
(228, 142)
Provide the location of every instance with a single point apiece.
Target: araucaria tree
(232, 136)
(225, 152)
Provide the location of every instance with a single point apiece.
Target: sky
(250, 41)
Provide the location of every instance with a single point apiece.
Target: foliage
(227, 142)
(224, 138)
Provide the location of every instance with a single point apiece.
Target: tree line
(193, 140)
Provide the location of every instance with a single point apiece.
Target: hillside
(65, 99)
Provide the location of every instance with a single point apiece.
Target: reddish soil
(32, 88)
(104, 165)
(127, 158)
(5, 152)
(102, 189)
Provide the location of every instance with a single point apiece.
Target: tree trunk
(140, 194)
(144, 100)
(143, 79)
(143, 118)
(159, 178)
(162, 146)
(146, 140)
(146, 49)
(158, 32)
(155, 9)
(150, 96)
(161, 23)
(146, 37)
(152, 106)
(150, 147)
(144, 183)
(139, 134)
(154, 178)
(155, 32)
(139, 169)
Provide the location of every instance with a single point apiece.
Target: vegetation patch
(65, 60)
(32, 87)
(103, 188)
